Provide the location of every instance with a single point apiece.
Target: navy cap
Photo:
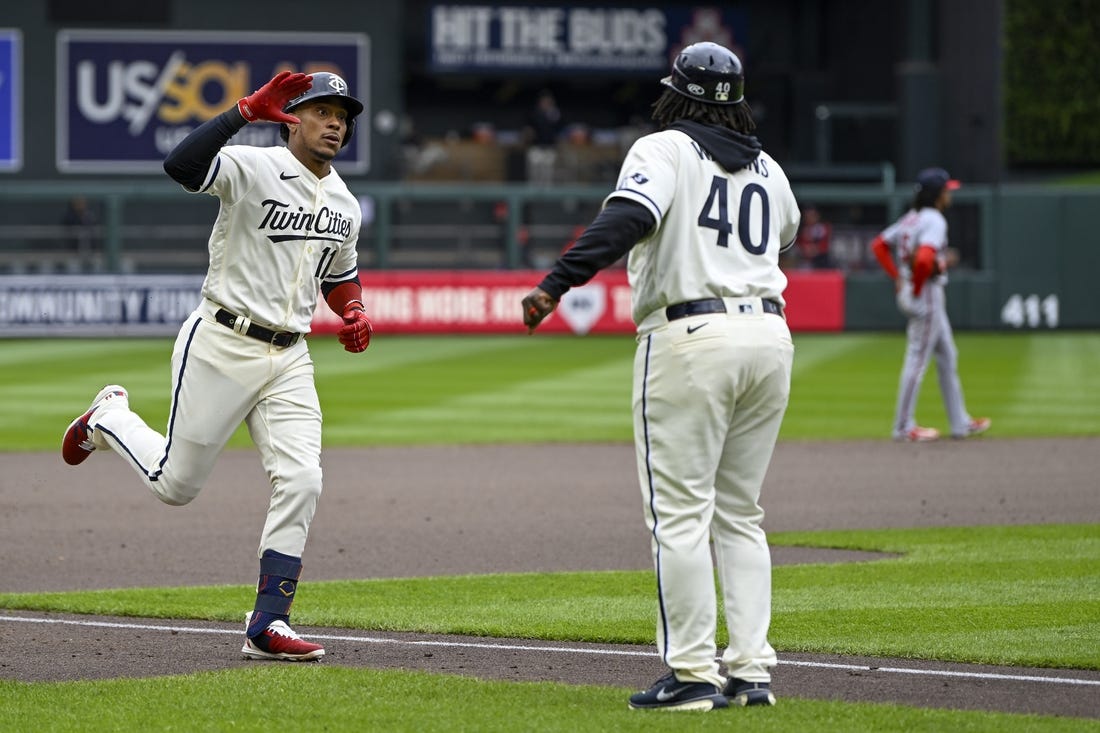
(935, 180)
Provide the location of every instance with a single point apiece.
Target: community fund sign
(125, 99)
(548, 39)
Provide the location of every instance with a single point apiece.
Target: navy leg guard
(279, 575)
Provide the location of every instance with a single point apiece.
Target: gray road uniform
(928, 331)
(706, 213)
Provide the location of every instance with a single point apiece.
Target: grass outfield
(326, 698)
(341, 699)
(492, 389)
(996, 595)
(1015, 595)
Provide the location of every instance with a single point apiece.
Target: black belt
(275, 338)
(714, 305)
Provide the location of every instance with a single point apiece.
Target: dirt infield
(398, 512)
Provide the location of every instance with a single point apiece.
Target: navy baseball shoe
(278, 641)
(669, 693)
(78, 443)
(745, 693)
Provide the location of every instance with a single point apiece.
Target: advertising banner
(482, 302)
(126, 98)
(11, 102)
(397, 301)
(570, 39)
(489, 302)
(96, 305)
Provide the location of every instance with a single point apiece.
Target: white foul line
(945, 673)
(558, 649)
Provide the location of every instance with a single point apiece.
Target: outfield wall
(400, 301)
(481, 301)
(1035, 252)
(1040, 255)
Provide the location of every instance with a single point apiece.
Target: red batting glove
(356, 333)
(267, 102)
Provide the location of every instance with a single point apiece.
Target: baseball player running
(703, 212)
(287, 226)
(919, 239)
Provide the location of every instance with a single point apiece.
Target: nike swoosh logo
(665, 695)
(693, 329)
(285, 177)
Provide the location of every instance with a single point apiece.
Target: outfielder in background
(703, 212)
(287, 225)
(919, 241)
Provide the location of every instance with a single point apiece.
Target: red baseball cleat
(977, 426)
(278, 641)
(918, 435)
(77, 443)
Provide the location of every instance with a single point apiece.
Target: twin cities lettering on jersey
(326, 224)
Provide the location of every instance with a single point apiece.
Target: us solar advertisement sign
(126, 98)
(11, 109)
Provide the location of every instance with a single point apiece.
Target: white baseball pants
(219, 380)
(708, 406)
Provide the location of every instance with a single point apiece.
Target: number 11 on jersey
(328, 254)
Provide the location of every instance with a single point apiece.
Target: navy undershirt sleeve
(189, 161)
(615, 230)
(327, 287)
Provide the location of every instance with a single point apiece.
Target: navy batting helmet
(709, 73)
(934, 180)
(328, 86)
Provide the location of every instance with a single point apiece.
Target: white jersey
(719, 232)
(914, 229)
(280, 232)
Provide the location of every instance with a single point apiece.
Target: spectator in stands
(813, 240)
(418, 154)
(501, 212)
(81, 235)
(637, 126)
(543, 127)
(80, 225)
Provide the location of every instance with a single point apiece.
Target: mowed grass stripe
(1032, 383)
(576, 404)
(84, 353)
(1060, 373)
(389, 353)
(45, 383)
(351, 699)
(1024, 595)
(465, 388)
(843, 386)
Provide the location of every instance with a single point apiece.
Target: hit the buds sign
(125, 98)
